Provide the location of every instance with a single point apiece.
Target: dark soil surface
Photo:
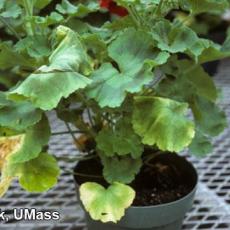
(159, 182)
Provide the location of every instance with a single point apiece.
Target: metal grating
(211, 208)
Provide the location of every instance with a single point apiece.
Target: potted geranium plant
(126, 88)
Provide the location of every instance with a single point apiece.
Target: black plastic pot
(160, 217)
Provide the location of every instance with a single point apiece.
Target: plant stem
(151, 157)
(134, 16)
(66, 132)
(72, 134)
(159, 7)
(83, 174)
(89, 116)
(8, 25)
(158, 80)
(28, 5)
(90, 131)
(80, 158)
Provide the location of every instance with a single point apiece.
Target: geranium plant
(126, 85)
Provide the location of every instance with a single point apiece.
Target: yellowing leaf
(106, 204)
(39, 174)
(8, 146)
(5, 184)
(163, 122)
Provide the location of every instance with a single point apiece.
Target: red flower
(113, 7)
(105, 3)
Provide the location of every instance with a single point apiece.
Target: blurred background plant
(26, 27)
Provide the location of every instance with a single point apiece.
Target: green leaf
(197, 6)
(39, 174)
(121, 141)
(18, 116)
(205, 51)
(190, 77)
(173, 38)
(37, 88)
(96, 46)
(10, 9)
(133, 52)
(32, 142)
(3, 100)
(131, 49)
(43, 22)
(79, 10)
(66, 61)
(40, 4)
(6, 132)
(203, 83)
(106, 204)
(36, 46)
(108, 87)
(209, 118)
(7, 52)
(2, 2)
(174, 88)
(163, 122)
(122, 169)
(200, 145)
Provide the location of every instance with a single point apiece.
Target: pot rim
(179, 200)
(169, 203)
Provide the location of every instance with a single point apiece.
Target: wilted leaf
(66, 61)
(7, 147)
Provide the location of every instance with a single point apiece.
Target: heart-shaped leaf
(106, 204)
